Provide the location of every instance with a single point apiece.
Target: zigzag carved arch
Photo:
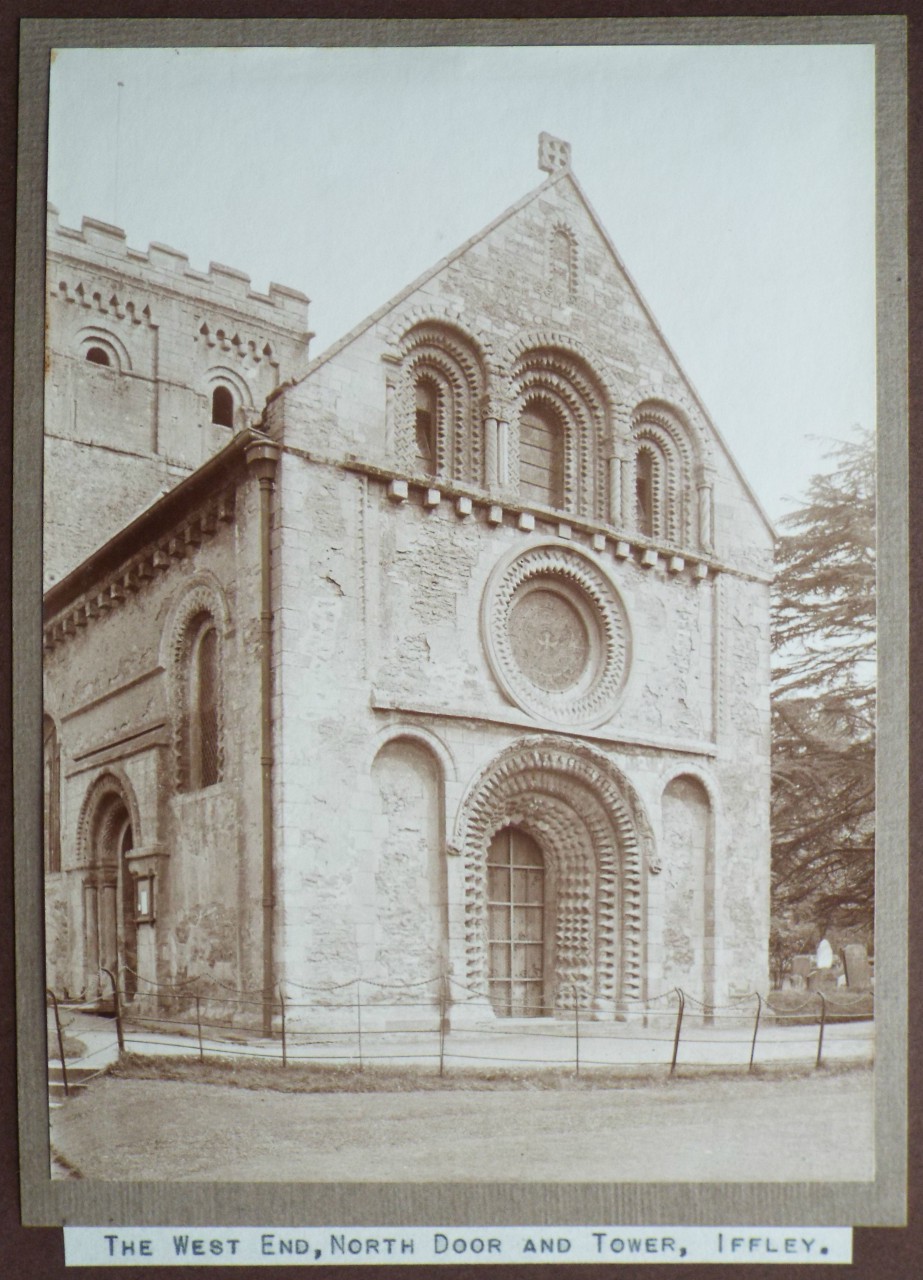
(444, 356)
(565, 376)
(590, 822)
(112, 783)
(662, 431)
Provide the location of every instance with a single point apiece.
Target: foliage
(823, 714)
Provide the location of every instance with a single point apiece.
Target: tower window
(222, 407)
(96, 355)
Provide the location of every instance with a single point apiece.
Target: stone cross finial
(553, 153)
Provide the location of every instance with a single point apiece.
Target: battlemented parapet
(151, 368)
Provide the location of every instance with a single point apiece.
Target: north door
(517, 907)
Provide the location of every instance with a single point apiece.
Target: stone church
(442, 657)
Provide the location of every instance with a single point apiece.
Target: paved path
(735, 1130)
(605, 1044)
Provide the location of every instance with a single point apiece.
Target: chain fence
(440, 1022)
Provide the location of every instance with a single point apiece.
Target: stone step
(56, 1092)
(77, 1080)
(75, 1074)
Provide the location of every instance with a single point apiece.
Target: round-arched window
(222, 407)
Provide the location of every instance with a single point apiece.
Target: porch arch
(108, 830)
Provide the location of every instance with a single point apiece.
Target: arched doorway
(552, 837)
(520, 964)
(109, 926)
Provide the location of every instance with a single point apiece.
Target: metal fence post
(117, 1009)
(198, 1023)
(756, 1027)
(820, 1037)
(679, 1024)
(57, 1023)
(284, 1045)
(359, 1017)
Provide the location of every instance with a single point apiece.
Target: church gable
(467, 703)
(525, 366)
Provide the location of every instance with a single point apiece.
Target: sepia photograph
(459, 627)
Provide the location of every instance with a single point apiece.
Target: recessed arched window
(51, 770)
(562, 421)
(426, 408)
(439, 398)
(96, 355)
(541, 455)
(222, 407)
(204, 743)
(645, 492)
(666, 457)
(562, 260)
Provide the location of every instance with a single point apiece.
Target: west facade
(448, 671)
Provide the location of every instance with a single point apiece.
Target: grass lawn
(374, 1078)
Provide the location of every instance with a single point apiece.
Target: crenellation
(162, 255)
(103, 235)
(139, 346)
(281, 304)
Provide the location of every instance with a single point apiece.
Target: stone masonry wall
(120, 435)
(386, 611)
(112, 689)
(499, 293)
(381, 633)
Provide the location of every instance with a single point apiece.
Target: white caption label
(300, 1246)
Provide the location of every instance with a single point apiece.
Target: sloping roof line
(607, 239)
(551, 181)
(423, 279)
(151, 523)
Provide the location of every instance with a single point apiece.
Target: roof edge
(642, 302)
(426, 276)
(151, 522)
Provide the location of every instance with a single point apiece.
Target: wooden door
(517, 926)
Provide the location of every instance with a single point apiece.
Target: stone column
(616, 466)
(390, 431)
(90, 938)
(705, 484)
(491, 454)
(108, 915)
(503, 454)
(628, 497)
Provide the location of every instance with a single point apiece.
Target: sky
(737, 183)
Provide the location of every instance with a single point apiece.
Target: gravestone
(856, 964)
(823, 980)
(824, 957)
(802, 966)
